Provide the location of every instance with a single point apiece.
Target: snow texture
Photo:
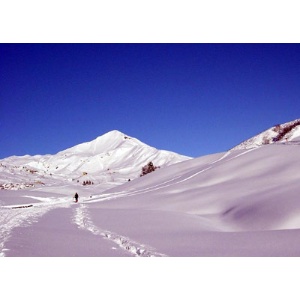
(240, 203)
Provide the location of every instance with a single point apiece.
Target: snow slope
(239, 203)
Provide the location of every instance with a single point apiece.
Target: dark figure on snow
(76, 197)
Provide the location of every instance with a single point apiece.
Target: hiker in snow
(76, 197)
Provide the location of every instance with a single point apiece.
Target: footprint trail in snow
(83, 220)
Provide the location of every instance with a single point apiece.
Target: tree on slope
(148, 169)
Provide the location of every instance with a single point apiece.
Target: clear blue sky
(193, 99)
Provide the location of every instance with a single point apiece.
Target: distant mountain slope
(286, 132)
(110, 159)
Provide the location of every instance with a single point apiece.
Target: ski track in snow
(83, 220)
(167, 183)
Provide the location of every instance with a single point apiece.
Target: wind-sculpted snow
(246, 189)
(168, 183)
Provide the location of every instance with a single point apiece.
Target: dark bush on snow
(148, 169)
(88, 182)
(282, 131)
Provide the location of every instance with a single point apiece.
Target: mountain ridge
(112, 158)
(280, 133)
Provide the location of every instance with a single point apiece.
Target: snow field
(239, 203)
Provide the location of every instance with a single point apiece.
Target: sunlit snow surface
(238, 203)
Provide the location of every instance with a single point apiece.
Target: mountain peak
(111, 159)
(104, 143)
(113, 133)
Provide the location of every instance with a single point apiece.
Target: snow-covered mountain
(238, 203)
(109, 160)
(281, 133)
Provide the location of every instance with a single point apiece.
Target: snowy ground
(242, 203)
(239, 203)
